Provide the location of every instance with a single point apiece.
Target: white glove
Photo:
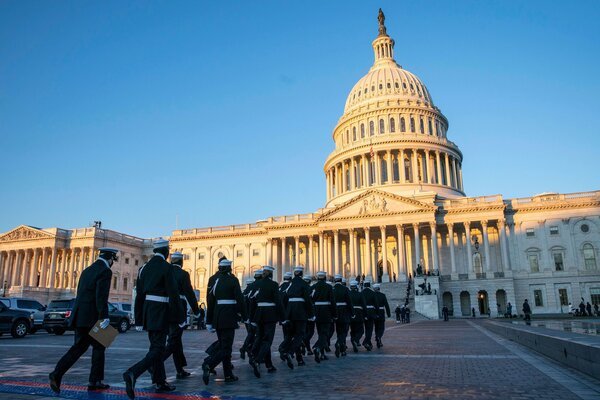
(183, 324)
(285, 322)
(139, 328)
(210, 328)
(197, 315)
(104, 323)
(312, 319)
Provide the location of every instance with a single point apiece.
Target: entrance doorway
(483, 302)
(465, 304)
(447, 301)
(380, 270)
(501, 302)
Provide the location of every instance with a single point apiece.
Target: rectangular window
(239, 253)
(595, 295)
(558, 261)
(530, 232)
(201, 256)
(554, 230)
(125, 283)
(255, 252)
(537, 298)
(127, 261)
(114, 283)
(533, 263)
(563, 297)
(137, 262)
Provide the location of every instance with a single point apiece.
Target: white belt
(182, 297)
(226, 302)
(158, 299)
(265, 304)
(341, 303)
(370, 306)
(322, 303)
(357, 306)
(294, 299)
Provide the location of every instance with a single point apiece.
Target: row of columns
(43, 267)
(435, 167)
(329, 257)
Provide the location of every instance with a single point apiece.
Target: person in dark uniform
(325, 312)
(310, 324)
(250, 329)
(383, 310)
(187, 296)
(345, 313)
(157, 305)
(266, 310)
(357, 324)
(331, 328)
(445, 312)
(225, 308)
(286, 328)
(299, 310)
(91, 306)
(372, 305)
(526, 310)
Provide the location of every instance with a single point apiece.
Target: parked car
(29, 305)
(58, 312)
(125, 307)
(16, 322)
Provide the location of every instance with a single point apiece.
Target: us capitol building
(395, 201)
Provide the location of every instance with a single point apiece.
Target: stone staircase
(396, 294)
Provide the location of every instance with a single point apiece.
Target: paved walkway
(459, 359)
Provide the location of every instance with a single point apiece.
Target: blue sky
(142, 114)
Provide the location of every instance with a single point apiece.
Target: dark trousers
(82, 342)
(341, 328)
(222, 352)
(357, 329)
(175, 347)
(330, 334)
(297, 334)
(264, 339)
(154, 357)
(379, 327)
(310, 332)
(323, 329)
(250, 336)
(368, 330)
(287, 330)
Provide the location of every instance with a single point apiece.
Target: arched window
(362, 131)
(347, 136)
(402, 125)
(380, 86)
(395, 170)
(397, 86)
(366, 90)
(392, 125)
(354, 133)
(589, 256)
(373, 88)
(381, 126)
(407, 170)
(389, 85)
(371, 128)
(412, 124)
(430, 127)
(421, 126)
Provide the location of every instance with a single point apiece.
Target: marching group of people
(164, 291)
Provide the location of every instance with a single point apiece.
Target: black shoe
(328, 349)
(272, 369)
(255, 368)
(289, 361)
(354, 346)
(183, 374)
(129, 379)
(213, 371)
(309, 352)
(337, 350)
(98, 385)
(301, 363)
(317, 353)
(164, 387)
(54, 382)
(379, 344)
(206, 370)
(242, 353)
(303, 350)
(282, 356)
(231, 378)
(344, 354)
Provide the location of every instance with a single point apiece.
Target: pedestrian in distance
(527, 310)
(91, 306)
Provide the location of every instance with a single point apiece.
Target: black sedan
(55, 317)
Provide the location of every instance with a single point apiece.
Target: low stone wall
(577, 351)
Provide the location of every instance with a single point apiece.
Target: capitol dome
(391, 136)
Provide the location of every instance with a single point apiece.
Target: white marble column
(52, 280)
(439, 168)
(415, 167)
(352, 174)
(434, 246)
(386, 275)
(365, 171)
(321, 247)
(451, 244)
(390, 167)
(417, 247)
(486, 246)
(310, 260)
(402, 271)
(503, 245)
(269, 255)
(296, 252)
(454, 173)
(284, 255)
(367, 268)
(467, 226)
(401, 175)
(447, 169)
(352, 244)
(16, 272)
(336, 251)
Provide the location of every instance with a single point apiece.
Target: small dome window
(354, 133)
(392, 125)
(381, 126)
(389, 85)
(412, 124)
(402, 125)
(373, 88)
(371, 128)
(411, 88)
(366, 90)
(380, 86)
(585, 228)
(404, 85)
(362, 131)
(397, 86)
(359, 93)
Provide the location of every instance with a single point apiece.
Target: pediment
(24, 232)
(376, 203)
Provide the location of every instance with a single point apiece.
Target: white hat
(321, 273)
(108, 250)
(307, 277)
(377, 286)
(268, 268)
(258, 272)
(249, 280)
(343, 280)
(298, 268)
(287, 275)
(353, 283)
(177, 255)
(330, 283)
(160, 243)
(337, 277)
(224, 263)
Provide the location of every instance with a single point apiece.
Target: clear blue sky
(222, 112)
